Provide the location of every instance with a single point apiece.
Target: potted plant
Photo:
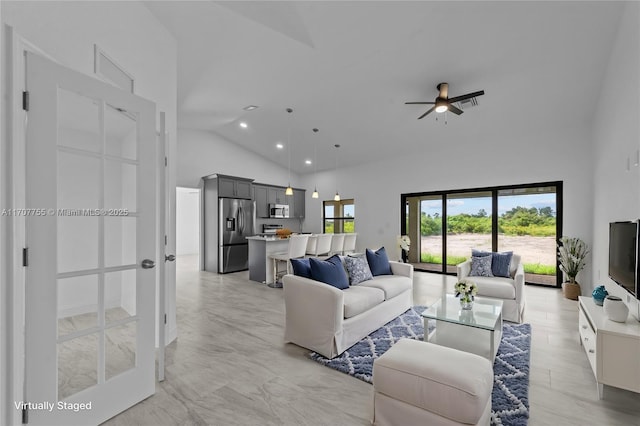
(572, 253)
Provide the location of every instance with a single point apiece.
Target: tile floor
(229, 365)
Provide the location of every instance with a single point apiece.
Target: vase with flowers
(404, 242)
(466, 291)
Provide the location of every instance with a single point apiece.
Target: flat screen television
(623, 255)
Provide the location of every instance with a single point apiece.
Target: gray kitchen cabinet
(260, 195)
(298, 207)
(276, 195)
(230, 187)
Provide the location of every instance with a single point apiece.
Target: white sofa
(509, 290)
(328, 320)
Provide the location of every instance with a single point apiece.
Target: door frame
(13, 185)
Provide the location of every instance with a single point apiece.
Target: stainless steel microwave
(279, 210)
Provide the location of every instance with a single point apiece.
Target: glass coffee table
(477, 330)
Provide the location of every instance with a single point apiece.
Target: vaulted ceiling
(348, 67)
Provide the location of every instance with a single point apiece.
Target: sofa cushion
(378, 262)
(301, 267)
(359, 298)
(480, 266)
(497, 287)
(392, 285)
(500, 262)
(358, 269)
(329, 271)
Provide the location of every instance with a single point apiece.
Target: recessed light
(250, 107)
(307, 161)
(243, 125)
(279, 146)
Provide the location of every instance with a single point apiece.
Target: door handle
(148, 264)
(169, 258)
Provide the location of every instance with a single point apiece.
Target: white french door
(91, 240)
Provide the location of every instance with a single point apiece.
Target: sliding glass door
(445, 226)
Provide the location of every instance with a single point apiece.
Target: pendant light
(337, 196)
(289, 190)
(315, 164)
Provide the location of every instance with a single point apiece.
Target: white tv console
(613, 348)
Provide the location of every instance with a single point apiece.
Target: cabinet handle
(591, 351)
(586, 339)
(584, 327)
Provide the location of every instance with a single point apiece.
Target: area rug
(509, 399)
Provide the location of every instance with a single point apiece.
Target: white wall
(132, 36)
(201, 153)
(488, 160)
(187, 221)
(616, 140)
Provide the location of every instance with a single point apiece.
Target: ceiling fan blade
(419, 103)
(444, 90)
(455, 109)
(427, 113)
(467, 96)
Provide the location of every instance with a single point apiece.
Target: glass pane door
(468, 226)
(89, 324)
(430, 244)
(527, 226)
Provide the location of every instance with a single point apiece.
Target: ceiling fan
(444, 103)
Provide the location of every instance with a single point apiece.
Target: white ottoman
(420, 383)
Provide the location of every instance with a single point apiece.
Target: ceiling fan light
(289, 190)
(442, 107)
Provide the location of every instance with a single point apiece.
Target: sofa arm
(314, 313)
(463, 270)
(519, 283)
(404, 269)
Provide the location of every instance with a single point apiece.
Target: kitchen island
(260, 265)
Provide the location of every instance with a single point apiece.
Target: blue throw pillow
(358, 269)
(500, 262)
(378, 262)
(329, 271)
(301, 267)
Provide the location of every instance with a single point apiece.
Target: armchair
(509, 290)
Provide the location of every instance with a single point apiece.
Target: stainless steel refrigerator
(236, 224)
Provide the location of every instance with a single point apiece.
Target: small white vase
(615, 309)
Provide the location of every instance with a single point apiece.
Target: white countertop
(264, 238)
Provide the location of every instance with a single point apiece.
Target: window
(445, 225)
(338, 216)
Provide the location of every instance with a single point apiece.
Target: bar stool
(337, 244)
(297, 248)
(322, 245)
(349, 243)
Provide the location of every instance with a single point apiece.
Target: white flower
(404, 242)
(466, 288)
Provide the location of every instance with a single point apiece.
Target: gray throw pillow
(358, 269)
(481, 266)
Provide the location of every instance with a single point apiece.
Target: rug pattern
(509, 399)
